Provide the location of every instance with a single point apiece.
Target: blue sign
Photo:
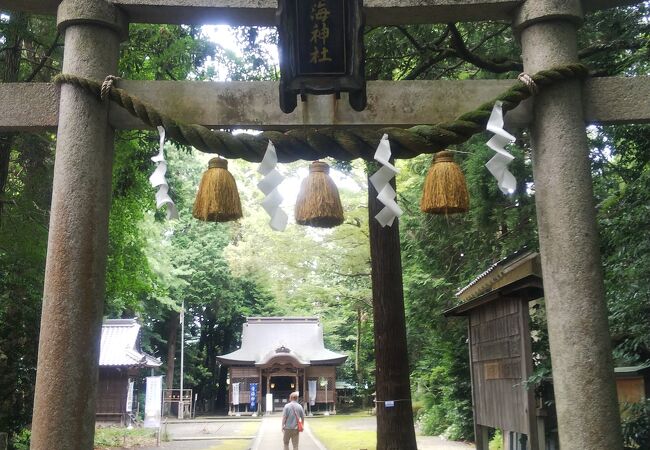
(253, 395)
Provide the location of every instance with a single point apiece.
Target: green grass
(247, 429)
(121, 437)
(335, 433)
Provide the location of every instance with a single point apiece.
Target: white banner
(235, 393)
(129, 398)
(312, 392)
(153, 401)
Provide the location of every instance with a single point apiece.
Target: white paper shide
(269, 186)
(381, 181)
(498, 165)
(157, 179)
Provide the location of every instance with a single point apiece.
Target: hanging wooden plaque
(321, 50)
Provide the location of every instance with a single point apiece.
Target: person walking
(293, 418)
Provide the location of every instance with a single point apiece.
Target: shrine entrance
(281, 386)
(85, 121)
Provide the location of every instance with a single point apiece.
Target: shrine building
(121, 363)
(279, 355)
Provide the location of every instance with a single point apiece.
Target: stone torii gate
(77, 245)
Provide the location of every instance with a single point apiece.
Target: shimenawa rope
(339, 143)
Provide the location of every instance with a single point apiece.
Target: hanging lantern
(445, 189)
(218, 198)
(318, 203)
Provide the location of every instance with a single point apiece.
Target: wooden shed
(496, 305)
(279, 355)
(120, 363)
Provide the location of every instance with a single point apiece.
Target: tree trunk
(394, 421)
(172, 336)
(222, 390)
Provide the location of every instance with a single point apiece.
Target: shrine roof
(297, 339)
(119, 345)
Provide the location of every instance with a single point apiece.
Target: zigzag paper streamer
(381, 181)
(157, 179)
(269, 186)
(498, 165)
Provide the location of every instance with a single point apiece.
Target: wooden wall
(245, 376)
(499, 364)
(112, 389)
(329, 372)
(630, 390)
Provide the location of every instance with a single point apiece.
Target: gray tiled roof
(119, 346)
(297, 338)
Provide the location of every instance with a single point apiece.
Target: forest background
(225, 273)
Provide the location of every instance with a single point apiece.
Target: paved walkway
(269, 436)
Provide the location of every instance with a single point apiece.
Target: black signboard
(321, 50)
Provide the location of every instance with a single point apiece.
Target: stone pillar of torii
(73, 299)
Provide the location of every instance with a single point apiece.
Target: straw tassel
(218, 198)
(318, 203)
(445, 189)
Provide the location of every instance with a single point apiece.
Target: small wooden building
(279, 355)
(120, 362)
(496, 304)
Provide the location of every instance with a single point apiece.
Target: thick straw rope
(339, 143)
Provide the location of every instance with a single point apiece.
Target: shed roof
(299, 339)
(486, 280)
(119, 346)
(519, 273)
(640, 369)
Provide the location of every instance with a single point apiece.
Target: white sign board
(153, 401)
(269, 403)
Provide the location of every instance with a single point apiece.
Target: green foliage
(21, 440)
(496, 443)
(113, 437)
(623, 187)
(165, 52)
(326, 273)
(442, 254)
(255, 60)
(23, 239)
(636, 425)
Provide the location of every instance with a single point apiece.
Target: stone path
(269, 436)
